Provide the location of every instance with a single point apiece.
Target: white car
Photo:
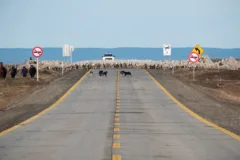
(108, 57)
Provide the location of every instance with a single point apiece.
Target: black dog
(122, 72)
(105, 73)
(100, 73)
(91, 72)
(127, 73)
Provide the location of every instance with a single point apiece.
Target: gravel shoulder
(24, 98)
(207, 98)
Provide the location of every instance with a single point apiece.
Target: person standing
(32, 71)
(24, 71)
(13, 72)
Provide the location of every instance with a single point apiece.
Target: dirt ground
(22, 98)
(213, 94)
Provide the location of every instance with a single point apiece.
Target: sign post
(37, 53)
(172, 67)
(167, 51)
(193, 58)
(62, 68)
(71, 50)
(67, 52)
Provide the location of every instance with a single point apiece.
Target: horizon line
(114, 47)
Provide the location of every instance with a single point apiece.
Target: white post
(37, 70)
(193, 73)
(62, 67)
(172, 67)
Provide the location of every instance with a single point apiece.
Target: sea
(19, 55)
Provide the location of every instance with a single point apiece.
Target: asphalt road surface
(130, 119)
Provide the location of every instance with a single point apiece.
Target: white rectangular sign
(71, 49)
(66, 50)
(166, 50)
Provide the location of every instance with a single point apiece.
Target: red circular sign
(193, 57)
(37, 52)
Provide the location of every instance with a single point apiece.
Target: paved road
(147, 126)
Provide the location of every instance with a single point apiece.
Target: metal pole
(164, 66)
(172, 67)
(62, 67)
(193, 73)
(37, 70)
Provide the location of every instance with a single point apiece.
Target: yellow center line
(116, 136)
(116, 145)
(117, 124)
(116, 129)
(116, 157)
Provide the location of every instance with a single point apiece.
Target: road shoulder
(39, 100)
(199, 102)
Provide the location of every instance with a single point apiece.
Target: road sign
(66, 50)
(193, 57)
(197, 49)
(166, 50)
(37, 52)
(71, 49)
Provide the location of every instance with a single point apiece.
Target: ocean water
(18, 55)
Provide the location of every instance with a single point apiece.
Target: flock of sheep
(205, 63)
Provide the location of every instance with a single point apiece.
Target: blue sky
(119, 23)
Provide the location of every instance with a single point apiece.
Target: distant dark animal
(100, 72)
(4, 73)
(105, 73)
(13, 72)
(91, 72)
(122, 72)
(32, 71)
(127, 73)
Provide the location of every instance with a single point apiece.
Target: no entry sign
(193, 57)
(37, 52)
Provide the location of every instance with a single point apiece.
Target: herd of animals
(104, 73)
(13, 72)
(32, 71)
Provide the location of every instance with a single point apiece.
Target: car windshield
(107, 55)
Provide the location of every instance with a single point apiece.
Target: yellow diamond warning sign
(197, 49)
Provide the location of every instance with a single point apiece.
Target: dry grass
(223, 84)
(15, 90)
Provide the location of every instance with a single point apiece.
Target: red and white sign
(37, 52)
(193, 57)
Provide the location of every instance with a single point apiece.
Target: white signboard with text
(166, 50)
(66, 50)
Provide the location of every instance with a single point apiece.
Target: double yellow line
(116, 130)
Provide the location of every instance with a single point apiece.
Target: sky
(119, 23)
